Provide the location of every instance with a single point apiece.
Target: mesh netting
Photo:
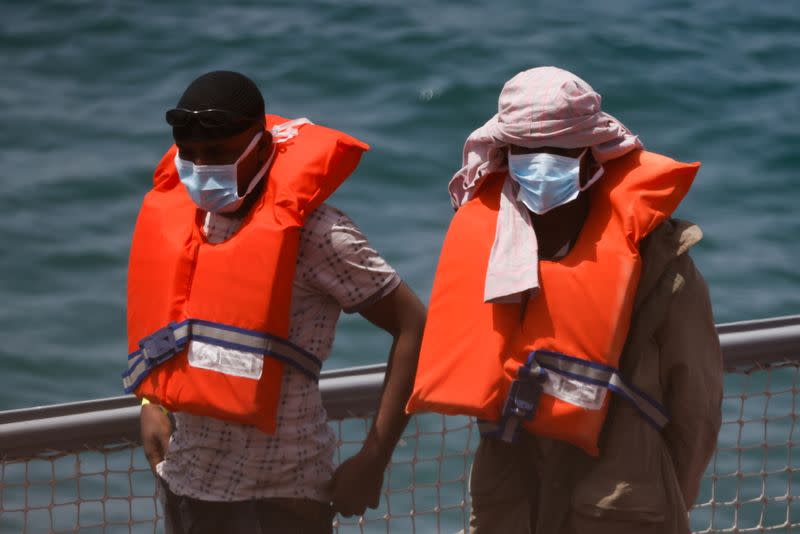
(104, 490)
(748, 486)
(425, 486)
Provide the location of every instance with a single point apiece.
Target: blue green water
(84, 85)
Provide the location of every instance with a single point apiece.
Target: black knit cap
(221, 89)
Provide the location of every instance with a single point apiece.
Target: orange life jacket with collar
(546, 370)
(231, 295)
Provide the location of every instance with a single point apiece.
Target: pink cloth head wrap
(545, 106)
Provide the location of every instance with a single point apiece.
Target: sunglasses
(207, 118)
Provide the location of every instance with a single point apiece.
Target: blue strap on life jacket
(166, 342)
(523, 397)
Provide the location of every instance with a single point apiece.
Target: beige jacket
(644, 480)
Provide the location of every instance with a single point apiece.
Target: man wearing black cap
(220, 475)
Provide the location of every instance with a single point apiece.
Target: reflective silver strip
(554, 363)
(137, 362)
(640, 403)
(291, 355)
(600, 377)
(279, 349)
(136, 371)
(608, 377)
(213, 333)
(181, 332)
(276, 348)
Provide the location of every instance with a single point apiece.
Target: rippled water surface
(84, 86)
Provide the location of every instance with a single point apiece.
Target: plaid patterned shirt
(215, 460)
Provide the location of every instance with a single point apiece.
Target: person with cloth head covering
(567, 316)
(238, 274)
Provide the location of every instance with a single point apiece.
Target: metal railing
(78, 466)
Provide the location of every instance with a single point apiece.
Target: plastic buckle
(159, 344)
(523, 399)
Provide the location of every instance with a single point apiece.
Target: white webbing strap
(288, 130)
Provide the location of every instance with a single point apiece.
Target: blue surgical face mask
(547, 181)
(216, 187)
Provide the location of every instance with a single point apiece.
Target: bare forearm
(402, 315)
(391, 418)
(358, 480)
(155, 427)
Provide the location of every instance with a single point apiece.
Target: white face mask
(547, 181)
(215, 188)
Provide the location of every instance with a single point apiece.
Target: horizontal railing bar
(349, 392)
(69, 432)
(123, 401)
(71, 408)
(758, 324)
(31, 431)
(761, 342)
(353, 371)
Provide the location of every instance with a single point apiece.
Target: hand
(156, 429)
(357, 484)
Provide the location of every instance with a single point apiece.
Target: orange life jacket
(547, 370)
(235, 294)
